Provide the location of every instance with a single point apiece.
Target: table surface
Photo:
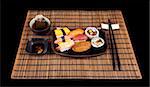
(52, 66)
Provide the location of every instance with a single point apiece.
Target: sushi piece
(58, 40)
(76, 32)
(58, 33)
(91, 32)
(97, 42)
(61, 39)
(80, 37)
(81, 46)
(61, 31)
(65, 46)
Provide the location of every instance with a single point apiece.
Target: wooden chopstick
(114, 50)
(113, 59)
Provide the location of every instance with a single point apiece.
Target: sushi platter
(75, 44)
(81, 45)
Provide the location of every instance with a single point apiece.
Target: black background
(13, 16)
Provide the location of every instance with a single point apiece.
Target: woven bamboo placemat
(52, 66)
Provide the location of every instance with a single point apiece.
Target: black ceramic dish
(37, 42)
(41, 31)
(89, 53)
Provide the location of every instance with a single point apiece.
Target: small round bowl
(41, 31)
(39, 42)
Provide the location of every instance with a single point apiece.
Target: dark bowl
(31, 44)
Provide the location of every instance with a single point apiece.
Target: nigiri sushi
(61, 31)
(80, 37)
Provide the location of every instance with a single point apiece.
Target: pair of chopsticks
(115, 57)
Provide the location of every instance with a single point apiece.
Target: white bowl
(36, 18)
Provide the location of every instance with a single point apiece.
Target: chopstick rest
(106, 26)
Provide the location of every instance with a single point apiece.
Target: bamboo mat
(52, 66)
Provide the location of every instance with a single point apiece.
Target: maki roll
(91, 32)
(97, 42)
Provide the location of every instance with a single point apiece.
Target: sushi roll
(97, 42)
(91, 32)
